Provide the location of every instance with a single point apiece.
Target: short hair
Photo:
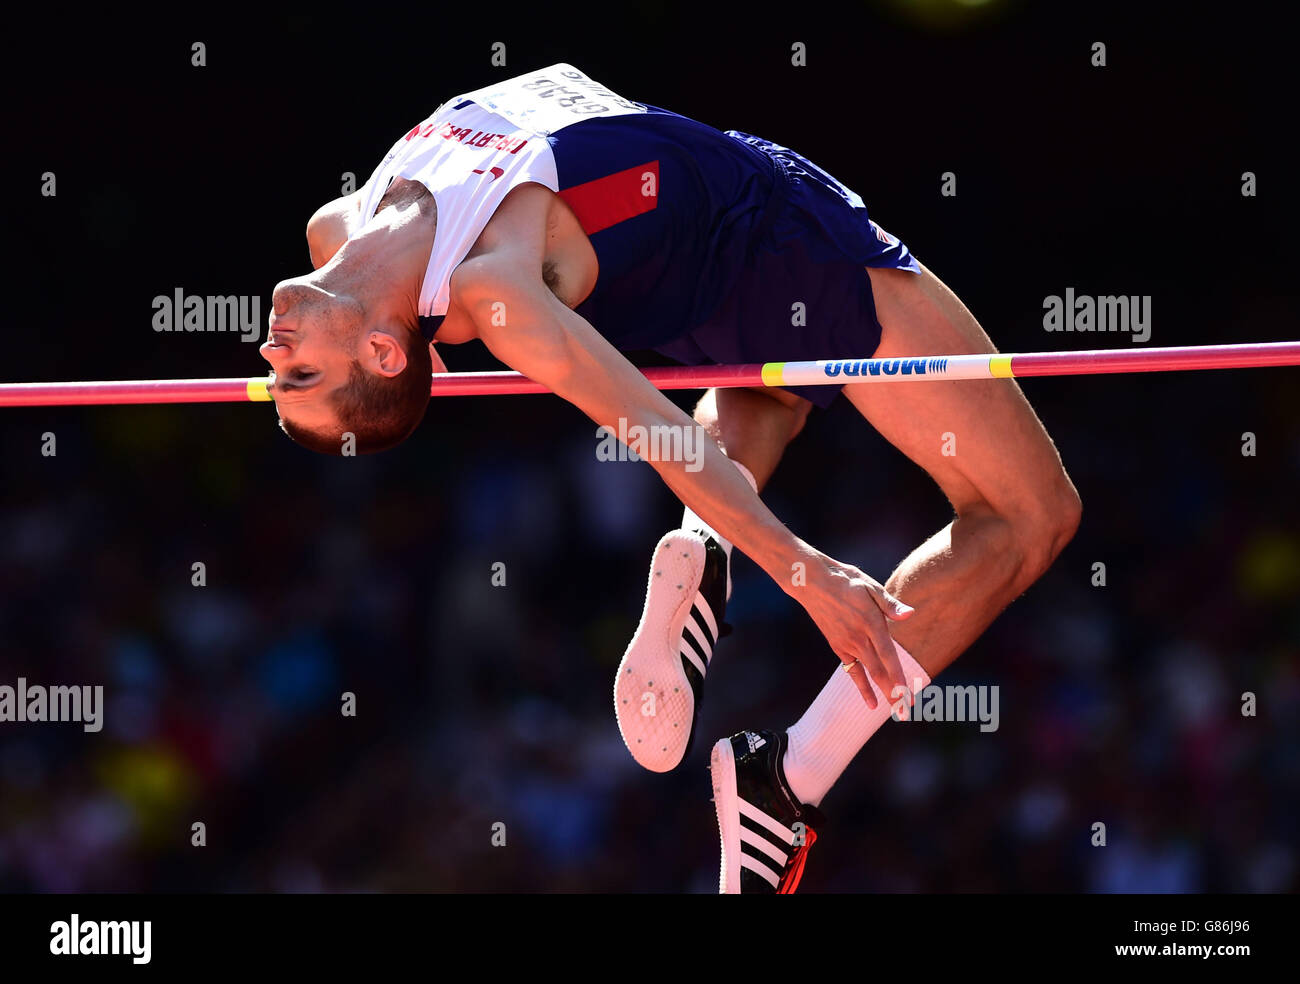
(380, 411)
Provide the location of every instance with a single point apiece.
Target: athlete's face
(314, 338)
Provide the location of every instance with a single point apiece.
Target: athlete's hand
(851, 610)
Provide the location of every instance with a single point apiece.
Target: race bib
(551, 98)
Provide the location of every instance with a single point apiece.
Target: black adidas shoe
(660, 682)
(765, 831)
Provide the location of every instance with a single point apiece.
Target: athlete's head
(340, 367)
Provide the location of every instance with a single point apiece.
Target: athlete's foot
(765, 830)
(660, 682)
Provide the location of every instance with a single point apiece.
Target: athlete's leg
(986, 450)
(752, 426)
(1015, 510)
(659, 684)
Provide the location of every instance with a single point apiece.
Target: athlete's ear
(436, 359)
(384, 354)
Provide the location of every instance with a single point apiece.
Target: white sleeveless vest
(478, 147)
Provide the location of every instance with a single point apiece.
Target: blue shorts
(803, 293)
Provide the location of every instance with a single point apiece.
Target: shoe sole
(653, 700)
(722, 771)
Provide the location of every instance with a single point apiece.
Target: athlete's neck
(383, 266)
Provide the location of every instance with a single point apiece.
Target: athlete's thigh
(978, 439)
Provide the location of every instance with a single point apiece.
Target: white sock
(690, 521)
(833, 730)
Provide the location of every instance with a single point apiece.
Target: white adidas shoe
(660, 682)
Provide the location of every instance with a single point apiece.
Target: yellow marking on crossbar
(257, 391)
(1000, 365)
(773, 373)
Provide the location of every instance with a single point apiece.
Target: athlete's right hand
(851, 609)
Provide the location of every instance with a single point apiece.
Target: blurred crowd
(482, 704)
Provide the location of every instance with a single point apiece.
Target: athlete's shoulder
(331, 226)
(515, 233)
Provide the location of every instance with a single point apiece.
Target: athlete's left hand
(851, 609)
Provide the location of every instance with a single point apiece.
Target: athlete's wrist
(790, 561)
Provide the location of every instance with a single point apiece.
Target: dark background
(1119, 704)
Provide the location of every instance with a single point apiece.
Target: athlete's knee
(1027, 532)
(1047, 521)
(1069, 513)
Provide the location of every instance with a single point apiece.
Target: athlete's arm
(500, 289)
(436, 359)
(330, 227)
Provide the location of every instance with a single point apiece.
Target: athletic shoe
(660, 682)
(765, 830)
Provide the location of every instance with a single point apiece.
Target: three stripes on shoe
(765, 843)
(699, 635)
